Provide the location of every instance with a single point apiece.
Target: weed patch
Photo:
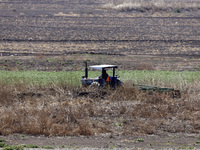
(152, 6)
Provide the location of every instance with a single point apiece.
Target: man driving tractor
(105, 76)
(112, 80)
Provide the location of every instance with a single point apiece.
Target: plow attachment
(175, 93)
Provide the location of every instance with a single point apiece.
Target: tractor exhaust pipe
(86, 70)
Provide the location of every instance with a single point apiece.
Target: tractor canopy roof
(100, 67)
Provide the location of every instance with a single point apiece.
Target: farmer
(105, 76)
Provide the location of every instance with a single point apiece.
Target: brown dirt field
(162, 40)
(69, 27)
(58, 35)
(71, 62)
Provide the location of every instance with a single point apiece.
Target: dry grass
(68, 110)
(152, 5)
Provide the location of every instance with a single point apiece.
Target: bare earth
(163, 40)
(59, 35)
(170, 141)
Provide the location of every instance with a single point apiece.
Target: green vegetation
(39, 77)
(48, 147)
(23, 136)
(112, 146)
(2, 144)
(2, 140)
(162, 78)
(139, 140)
(182, 147)
(158, 78)
(197, 142)
(31, 146)
(17, 147)
(14, 147)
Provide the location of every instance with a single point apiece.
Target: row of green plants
(159, 78)
(22, 147)
(5, 146)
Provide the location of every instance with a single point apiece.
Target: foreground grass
(64, 109)
(54, 103)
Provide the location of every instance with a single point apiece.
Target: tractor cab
(103, 79)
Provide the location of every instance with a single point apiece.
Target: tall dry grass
(70, 110)
(152, 5)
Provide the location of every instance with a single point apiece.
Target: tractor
(113, 81)
(103, 80)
